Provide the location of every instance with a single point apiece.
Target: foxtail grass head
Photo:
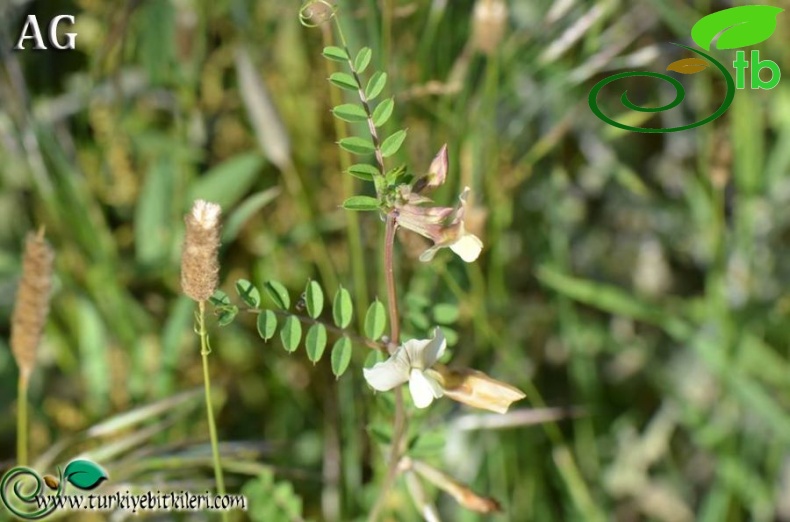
(199, 257)
(32, 303)
(489, 22)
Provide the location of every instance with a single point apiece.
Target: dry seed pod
(32, 303)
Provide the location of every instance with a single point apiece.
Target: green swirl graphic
(680, 94)
(27, 498)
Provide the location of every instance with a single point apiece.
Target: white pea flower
(412, 362)
(415, 362)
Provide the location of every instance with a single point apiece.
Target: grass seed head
(199, 257)
(32, 303)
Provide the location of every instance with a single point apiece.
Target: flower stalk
(205, 350)
(399, 423)
(27, 325)
(389, 272)
(199, 281)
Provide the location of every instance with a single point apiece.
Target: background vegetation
(639, 277)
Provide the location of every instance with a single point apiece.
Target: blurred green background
(639, 277)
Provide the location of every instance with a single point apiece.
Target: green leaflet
(266, 324)
(363, 171)
(350, 112)
(278, 293)
(315, 342)
(341, 356)
(361, 203)
(375, 320)
(342, 308)
(375, 85)
(357, 145)
(334, 53)
(393, 143)
(344, 81)
(314, 299)
(382, 113)
(363, 59)
(248, 293)
(291, 334)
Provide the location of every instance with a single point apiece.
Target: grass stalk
(22, 422)
(205, 350)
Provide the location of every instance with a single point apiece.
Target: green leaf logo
(84, 474)
(741, 26)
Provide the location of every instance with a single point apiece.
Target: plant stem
(389, 274)
(21, 422)
(399, 423)
(212, 427)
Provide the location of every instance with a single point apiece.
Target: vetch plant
(402, 200)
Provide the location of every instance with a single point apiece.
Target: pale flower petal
(422, 353)
(388, 374)
(413, 349)
(468, 247)
(461, 212)
(428, 254)
(423, 389)
(434, 349)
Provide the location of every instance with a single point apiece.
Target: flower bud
(437, 172)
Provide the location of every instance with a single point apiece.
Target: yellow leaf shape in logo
(688, 66)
